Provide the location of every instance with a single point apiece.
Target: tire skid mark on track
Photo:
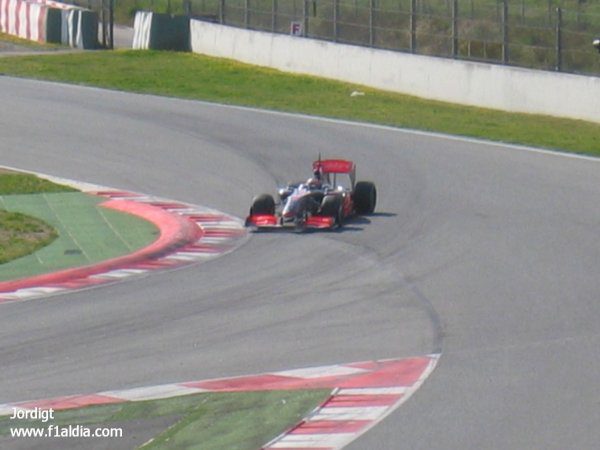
(363, 393)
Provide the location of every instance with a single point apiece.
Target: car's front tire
(263, 204)
(331, 206)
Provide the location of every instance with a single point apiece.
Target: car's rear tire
(263, 204)
(365, 197)
(331, 206)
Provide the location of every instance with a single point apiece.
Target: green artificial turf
(21, 235)
(87, 232)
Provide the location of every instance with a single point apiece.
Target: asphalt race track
(486, 252)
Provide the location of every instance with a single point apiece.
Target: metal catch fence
(540, 34)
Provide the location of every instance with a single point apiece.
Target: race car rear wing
(335, 166)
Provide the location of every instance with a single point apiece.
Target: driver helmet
(316, 182)
(313, 183)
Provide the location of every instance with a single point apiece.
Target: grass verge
(195, 76)
(21, 183)
(21, 235)
(211, 421)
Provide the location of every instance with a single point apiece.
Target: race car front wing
(267, 221)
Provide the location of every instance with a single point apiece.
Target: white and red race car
(324, 201)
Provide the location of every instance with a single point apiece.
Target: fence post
(246, 14)
(559, 39)
(413, 26)
(305, 18)
(522, 11)
(336, 12)
(274, 16)
(371, 30)
(111, 24)
(222, 12)
(103, 19)
(505, 43)
(454, 28)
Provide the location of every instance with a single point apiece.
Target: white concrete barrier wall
(468, 83)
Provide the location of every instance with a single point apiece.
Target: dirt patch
(8, 44)
(12, 45)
